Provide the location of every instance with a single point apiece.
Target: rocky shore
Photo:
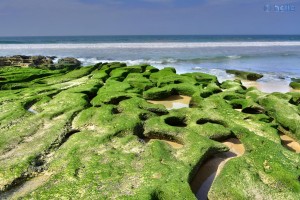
(295, 84)
(99, 132)
(251, 76)
(42, 62)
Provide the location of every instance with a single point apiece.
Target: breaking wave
(166, 61)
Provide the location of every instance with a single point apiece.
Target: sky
(148, 17)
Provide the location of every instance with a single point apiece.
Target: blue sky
(139, 17)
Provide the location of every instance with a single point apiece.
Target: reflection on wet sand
(32, 110)
(173, 102)
(210, 169)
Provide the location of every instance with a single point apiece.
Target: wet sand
(26, 187)
(239, 110)
(211, 168)
(174, 145)
(290, 143)
(235, 146)
(173, 102)
(270, 86)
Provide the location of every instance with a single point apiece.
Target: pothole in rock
(212, 121)
(115, 111)
(208, 171)
(206, 94)
(31, 108)
(173, 102)
(176, 121)
(117, 100)
(253, 110)
(143, 116)
(237, 106)
(230, 97)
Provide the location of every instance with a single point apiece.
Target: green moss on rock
(295, 85)
(94, 135)
(286, 114)
(138, 80)
(266, 171)
(202, 78)
(251, 76)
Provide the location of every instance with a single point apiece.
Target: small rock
(71, 63)
(251, 76)
(295, 85)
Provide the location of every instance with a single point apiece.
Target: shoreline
(270, 86)
(267, 84)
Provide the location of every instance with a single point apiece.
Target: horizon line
(151, 35)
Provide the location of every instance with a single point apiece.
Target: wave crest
(154, 45)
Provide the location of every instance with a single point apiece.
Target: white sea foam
(55, 60)
(91, 61)
(146, 45)
(182, 67)
(234, 57)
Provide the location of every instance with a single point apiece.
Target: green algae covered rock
(90, 133)
(71, 63)
(251, 76)
(286, 114)
(235, 85)
(202, 78)
(267, 171)
(295, 85)
(157, 93)
(138, 80)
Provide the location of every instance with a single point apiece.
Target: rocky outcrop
(69, 62)
(44, 62)
(27, 61)
(251, 76)
(295, 84)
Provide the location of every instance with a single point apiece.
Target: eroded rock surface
(42, 62)
(25, 61)
(96, 135)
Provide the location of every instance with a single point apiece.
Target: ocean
(277, 57)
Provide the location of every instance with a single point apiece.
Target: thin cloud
(158, 1)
